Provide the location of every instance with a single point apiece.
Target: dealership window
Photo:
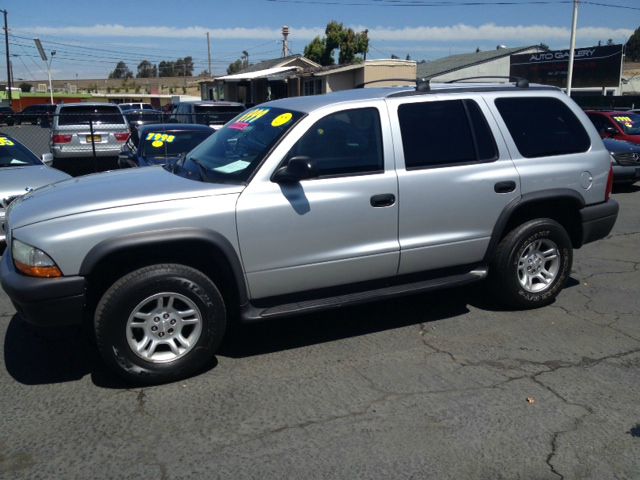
(543, 126)
(312, 86)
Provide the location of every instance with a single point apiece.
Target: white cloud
(515, 34)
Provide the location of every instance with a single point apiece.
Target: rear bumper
(75, 151)
(598, 220)
(623, 174)
(44, 301)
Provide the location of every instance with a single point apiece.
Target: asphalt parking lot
(440, 386)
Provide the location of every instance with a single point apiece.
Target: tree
(349, 44)
(394, 57)
(25, 87)
(632, 47)
(408, 57)
(166, 69)
(234, 67)
(121, 71)
(147, 70)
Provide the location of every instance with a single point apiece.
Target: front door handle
(505, 187)
(383, 200)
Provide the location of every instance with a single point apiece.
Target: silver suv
(311, 203)
(82, 129)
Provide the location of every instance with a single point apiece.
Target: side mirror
(611, 131)
(47, 159)
(298, 168)
(126, 159)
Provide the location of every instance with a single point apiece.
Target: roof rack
(380, 80)
(519, 81)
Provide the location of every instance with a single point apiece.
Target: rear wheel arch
(561, 205)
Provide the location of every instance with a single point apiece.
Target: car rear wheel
(532, 264)
(160, 323)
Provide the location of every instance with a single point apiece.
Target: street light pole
(43, 56)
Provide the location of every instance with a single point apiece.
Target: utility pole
(572, 49)
(6, 49)
(209, 54)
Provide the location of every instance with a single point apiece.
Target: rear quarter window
(543, 126)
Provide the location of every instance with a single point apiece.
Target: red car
(619, 125)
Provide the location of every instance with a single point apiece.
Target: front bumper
(44, 301)
(598, 220)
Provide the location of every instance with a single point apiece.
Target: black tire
(115, 312)
(507, 275)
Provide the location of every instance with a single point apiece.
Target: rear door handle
(505, 187)
(383, 200)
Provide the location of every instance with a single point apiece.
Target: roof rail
(380, 80)
(519, 81)
(422, 85)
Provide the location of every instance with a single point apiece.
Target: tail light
(607, 194)
(61, 139)
(121, 137)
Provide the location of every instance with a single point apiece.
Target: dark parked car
(626, 160)
(137, 118)
(614, 124)
(37, 114)
(7, 116)
(161, 143)
(214, 114)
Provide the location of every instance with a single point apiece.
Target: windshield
(235, 151)
(171, 143)
(12, 154)
(629, 122)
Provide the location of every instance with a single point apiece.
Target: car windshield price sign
(593, 67)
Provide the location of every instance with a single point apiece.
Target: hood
(20, 180)
(100, 191)
(620, 146)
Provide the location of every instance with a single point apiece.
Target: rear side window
(96, 114)
(543, 126)
(452, 132)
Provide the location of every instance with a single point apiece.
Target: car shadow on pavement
(626, 188)
(35, 356)
(38, 356)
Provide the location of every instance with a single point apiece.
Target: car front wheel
(532, 264)
(160, 323)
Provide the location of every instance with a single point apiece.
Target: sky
(90, 38)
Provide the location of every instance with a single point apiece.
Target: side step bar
(251, 313)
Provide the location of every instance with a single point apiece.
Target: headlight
(32, 261)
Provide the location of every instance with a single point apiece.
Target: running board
(251, 313)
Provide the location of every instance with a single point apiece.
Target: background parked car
(214, 114)
(7, 116)
(626, 160)
(614, 124)
(20, 172)
(135, 106)
(137, 118)
(162, 143)
(80, 129)
(39, 114)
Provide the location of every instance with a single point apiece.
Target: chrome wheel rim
(538, 265)
(164, 327)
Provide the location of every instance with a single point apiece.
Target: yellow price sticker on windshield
(5, 142)
(282, 119)
(159, 139)
(253, 115)
(623, 119)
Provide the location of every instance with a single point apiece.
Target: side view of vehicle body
(310, 203)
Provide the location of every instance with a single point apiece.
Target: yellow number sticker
(253, 115)
(282, 119)
(623, 119)
(5, 142)
(158, 139)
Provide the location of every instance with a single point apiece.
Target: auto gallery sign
(592, 67)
